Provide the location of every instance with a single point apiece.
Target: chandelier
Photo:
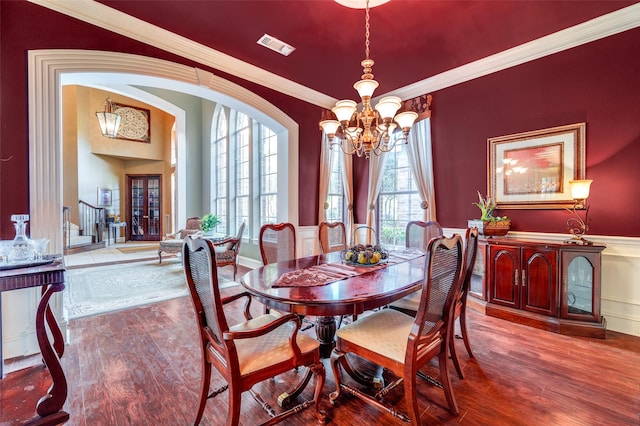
(109, 121)
(370, 129)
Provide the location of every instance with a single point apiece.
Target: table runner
(327, 273)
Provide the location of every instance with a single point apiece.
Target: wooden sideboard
(552, 286)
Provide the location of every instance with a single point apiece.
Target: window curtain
(347, 185)
(325, 176)
(421, 159)
(376, 170)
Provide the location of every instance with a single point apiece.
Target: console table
(115, 228)
(50, 278)
(550, 285)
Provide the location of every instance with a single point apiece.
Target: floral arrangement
(487, 205)
(208, 222)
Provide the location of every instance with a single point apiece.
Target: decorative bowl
(365, 255)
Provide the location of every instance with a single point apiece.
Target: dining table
(326, 286)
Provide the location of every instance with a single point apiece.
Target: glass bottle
(21, 250)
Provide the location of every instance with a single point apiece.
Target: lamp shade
(365, 88)
(330, 126)
(388, 106)
(344, 110)
(580, 188)
(406, 119)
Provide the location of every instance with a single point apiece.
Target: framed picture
(532, 170)
(136, 123)
(104, 197)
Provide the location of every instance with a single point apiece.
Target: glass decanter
(22, 250)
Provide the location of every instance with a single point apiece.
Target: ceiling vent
(276, 45)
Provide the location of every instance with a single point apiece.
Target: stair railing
(66, 226)
(92, 221)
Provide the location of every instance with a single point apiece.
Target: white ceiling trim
(595, 29)
(113, 20)
(110, 19)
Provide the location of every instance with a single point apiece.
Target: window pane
(335, 198)
(219, 162)
(268, 148)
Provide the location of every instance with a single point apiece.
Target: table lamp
(576, 225)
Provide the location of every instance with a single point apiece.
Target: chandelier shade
(369, 130)
(109, 120)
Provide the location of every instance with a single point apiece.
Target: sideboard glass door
(580, 278)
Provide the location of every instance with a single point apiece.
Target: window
(268, 176)
(335, 196)
(219, 161)
(240, 138)
(244, 172)
(399, 200)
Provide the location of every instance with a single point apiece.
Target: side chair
(410, 304)
(277, 242)
(419, 233)
(332, 236)
(227, 250)
(172, 243)
(460, 309)
(250, 352)
(402, 344)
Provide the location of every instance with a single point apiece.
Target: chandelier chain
(367, 27)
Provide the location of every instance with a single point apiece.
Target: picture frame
(532, 170)
(135, 124)
(104, 197)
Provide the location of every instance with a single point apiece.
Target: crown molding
(110, 19)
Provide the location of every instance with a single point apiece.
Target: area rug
(139, 248)
(96, 290)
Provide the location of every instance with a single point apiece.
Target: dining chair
(410, 304)
(250, 352)
(332, 236)
(419, 233)
(460, 307)
(277, 242)
(403, 344)
(227, 250)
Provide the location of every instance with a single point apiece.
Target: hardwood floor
(141, 366)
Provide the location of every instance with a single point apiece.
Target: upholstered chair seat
(385, 332)
(269, 349)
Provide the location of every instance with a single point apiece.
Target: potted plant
(488, 224)
(208, 222)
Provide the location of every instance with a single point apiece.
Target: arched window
(244, 172)
(220, 167)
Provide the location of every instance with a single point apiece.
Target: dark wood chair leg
(445, 379)
(411, 398)
(463, 329)
(454, 354)
(204, 388)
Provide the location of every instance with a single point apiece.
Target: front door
(144, 201)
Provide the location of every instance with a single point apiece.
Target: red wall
(596, 83)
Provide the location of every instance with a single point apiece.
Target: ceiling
(410, 40)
